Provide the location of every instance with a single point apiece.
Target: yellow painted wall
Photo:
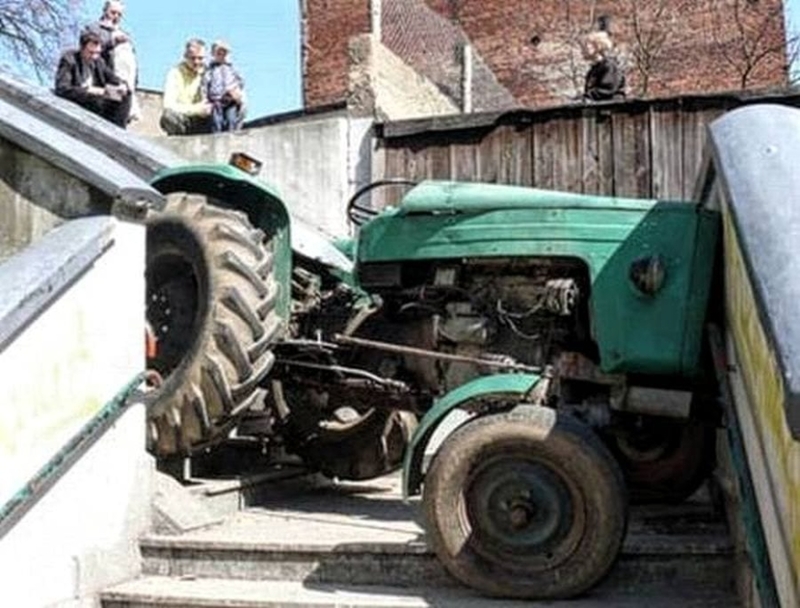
(773, 454)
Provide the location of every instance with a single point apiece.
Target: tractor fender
(237, 189)
(459, 406)
(232, 187)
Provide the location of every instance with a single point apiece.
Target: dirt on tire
(516, 512)
(211, 305)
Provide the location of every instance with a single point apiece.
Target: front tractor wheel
(519, 508)
(210, 307)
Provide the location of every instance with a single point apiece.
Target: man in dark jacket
(83, 77)
(605, 79)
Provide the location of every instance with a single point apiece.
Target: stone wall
(34, 198)
(327, 26)
(149, 113)
(314, 163)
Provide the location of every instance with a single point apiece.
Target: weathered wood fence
(641, 148)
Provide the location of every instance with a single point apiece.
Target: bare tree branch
(792, 53)
(652, 24)
(33, 32)
(748, 44)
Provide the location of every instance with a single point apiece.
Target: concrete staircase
(314, 543)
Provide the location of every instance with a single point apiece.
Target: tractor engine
(363, 364)
(488, 309)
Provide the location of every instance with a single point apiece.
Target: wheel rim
(172, 310)
(522, 512)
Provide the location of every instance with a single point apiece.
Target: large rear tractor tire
(210, 306)
(525, 504)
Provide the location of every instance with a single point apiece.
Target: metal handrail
(47, 476)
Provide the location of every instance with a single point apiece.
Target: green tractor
(531, 358)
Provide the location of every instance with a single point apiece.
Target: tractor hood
(469, 197)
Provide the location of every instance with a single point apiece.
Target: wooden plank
(416, 168)
(513, 147)
(597, 154)
(605, 154)
(644, 158)
(545, 152)
(485, 160)
(437, 164)
(632, 163)
(504, 157)
(635, 151)
(558, 146)
(624, 154)
(667, 154)
(590, 156)
(394, 162)
(463, 162)
(693, 126)
(399, 162)
(487, 154)
(568, 167)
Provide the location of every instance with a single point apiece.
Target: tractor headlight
(648, 274)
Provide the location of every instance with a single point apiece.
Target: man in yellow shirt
(186, 111)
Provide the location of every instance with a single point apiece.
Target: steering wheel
(359, 214)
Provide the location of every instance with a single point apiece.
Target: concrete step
(307, 541)
(325, 533)
(701, 560)
(173, 592)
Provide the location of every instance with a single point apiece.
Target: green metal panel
(662, 333)
(514, 386)
(709, 226)
(443, 197)
(237, 190)
(346, 245)
(635, 333)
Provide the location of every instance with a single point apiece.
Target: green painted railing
(46, 477)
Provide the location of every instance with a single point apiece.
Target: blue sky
(264, 36)
(793, 12)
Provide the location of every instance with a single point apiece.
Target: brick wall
(327, 28)
(532, 47)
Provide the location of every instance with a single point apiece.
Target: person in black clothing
(84, 78)
(605, 79)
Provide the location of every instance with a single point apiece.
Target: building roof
(432, 45)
